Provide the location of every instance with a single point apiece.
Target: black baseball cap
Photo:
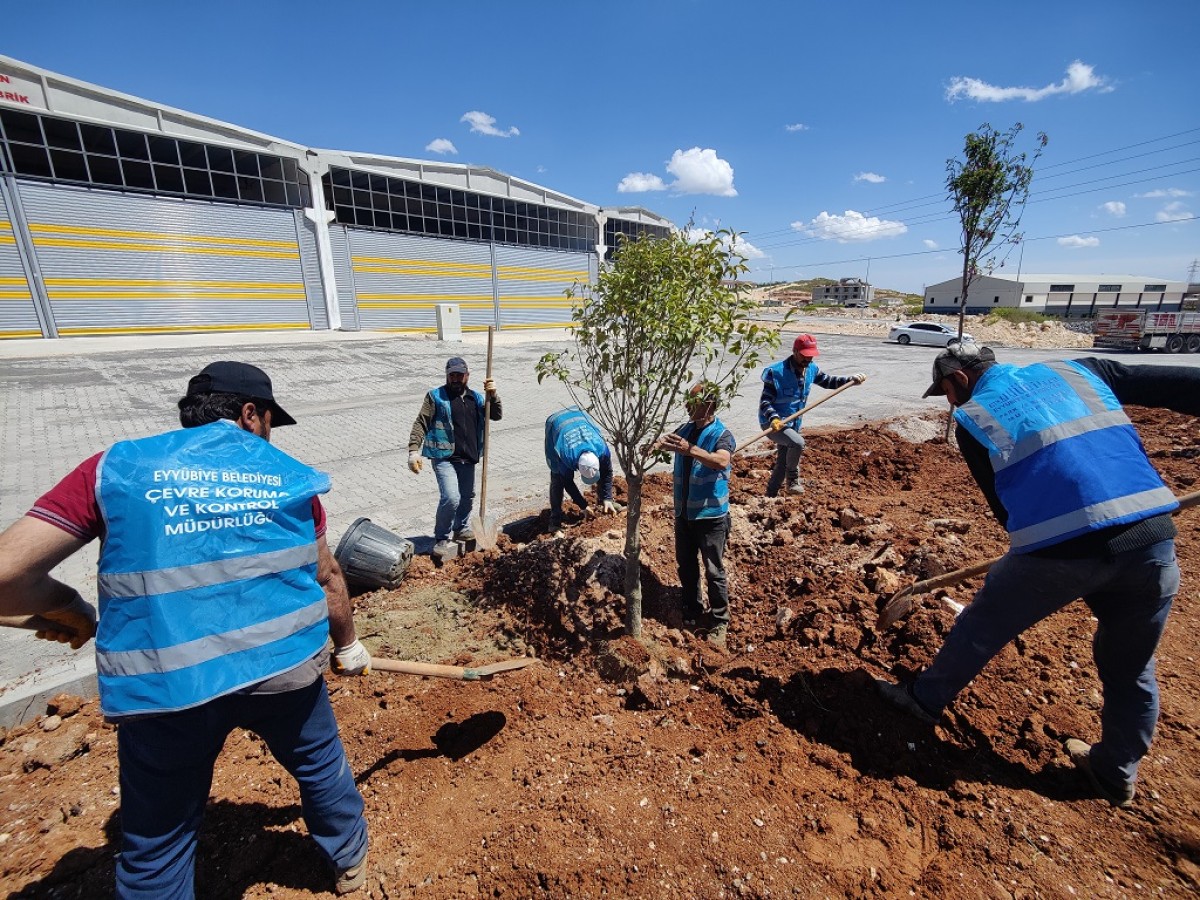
(242, 379)
(456, 364)
(958, 356)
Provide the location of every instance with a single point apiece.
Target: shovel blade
(486, 532)
(899, 606)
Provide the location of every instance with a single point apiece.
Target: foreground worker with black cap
(1088, 517)
(218, 594)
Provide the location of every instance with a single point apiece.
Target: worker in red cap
(785, 392)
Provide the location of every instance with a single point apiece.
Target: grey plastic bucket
(371, 556)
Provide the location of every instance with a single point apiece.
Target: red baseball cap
(806, 345)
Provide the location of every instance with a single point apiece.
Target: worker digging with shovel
(1065, 473)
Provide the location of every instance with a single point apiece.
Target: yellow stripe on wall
(49, 228)
(168, 283)
(169, 296)
(20, 334)
(565, 273)
(167, 329)
(156, 248)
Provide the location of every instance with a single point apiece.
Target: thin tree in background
(668, 312)
(989, 187)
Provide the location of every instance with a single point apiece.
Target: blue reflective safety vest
(570, 434)
(439, 439)
(208, 569)
(1067, 459)
(790, 393)
(708, 489)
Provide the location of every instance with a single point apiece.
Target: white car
(931, 334)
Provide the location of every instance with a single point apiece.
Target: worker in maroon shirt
(218, 596)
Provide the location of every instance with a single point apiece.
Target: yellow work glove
(351, 660)
(415, 461)
(489, 387)
(777, 424)
(78, 619)
(859, 377)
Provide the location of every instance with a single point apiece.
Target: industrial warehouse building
(122, 216)
(1069, 296)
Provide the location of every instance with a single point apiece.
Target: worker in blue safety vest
(218, 595)
(1087, 516)
(575, 446)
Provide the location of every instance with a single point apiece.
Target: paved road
(355, 396)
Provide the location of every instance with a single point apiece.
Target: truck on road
(1143, 329)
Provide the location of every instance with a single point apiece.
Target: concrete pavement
(355, 396)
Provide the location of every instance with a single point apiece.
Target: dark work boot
(794, 484)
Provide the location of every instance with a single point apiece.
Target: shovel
(459, 673)
(484, 527)
(795, 415)
(903, 601)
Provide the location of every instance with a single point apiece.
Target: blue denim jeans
(787, 459)
(558, 484)
(705, 538)
(1130, 595)
(166, 769)
(456, 485)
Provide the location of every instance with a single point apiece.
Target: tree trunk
(633, 558)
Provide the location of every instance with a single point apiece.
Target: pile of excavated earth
(667, 767)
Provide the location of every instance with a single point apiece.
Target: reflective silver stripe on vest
(1081, 384)
(184, 578)
(1080, 519)
(181, 656)
(1052, 435)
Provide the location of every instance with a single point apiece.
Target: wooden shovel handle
(487, 430)
(901, 603)
(459, 673)
(795, 415)
(33, 623)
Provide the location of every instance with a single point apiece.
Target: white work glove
(859, 377)
(777, 424)
(415, 461)
(612, 507)
(78, 619)
(489, 387)
(351, 660)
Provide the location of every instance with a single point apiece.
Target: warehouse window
(615, 230)
(38, 146)
(395, 204)
(1062, 288)
(1029, 298)
(1153, 288)
(1109, 288)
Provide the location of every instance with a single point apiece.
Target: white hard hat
(589, 467)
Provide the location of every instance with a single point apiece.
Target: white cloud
(1080, 77)
(1075, 241)
(931, 245)
(441, 145)
(853, 226)
(1171, 211)
(871, 177)
(1164, 193)
(798, 126)
(740, 245)
(637, 182)
(482, 123)
(699, 171)
(1114, 208)
(541, 170)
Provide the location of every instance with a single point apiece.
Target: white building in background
(1070, 296)
(847, 291)
(120, 216)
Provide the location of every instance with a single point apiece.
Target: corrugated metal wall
(123, 264)
(399, 279)
(347, 305)
(18, 318)
(532, 283)
(310, 265)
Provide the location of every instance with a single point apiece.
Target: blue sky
(820, 130)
